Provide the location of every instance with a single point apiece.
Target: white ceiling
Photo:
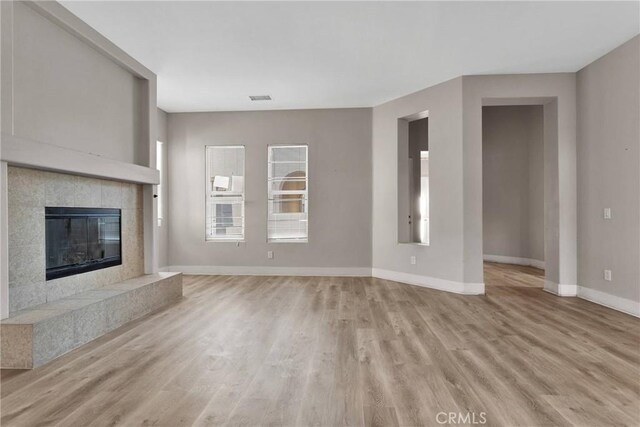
(210, 56)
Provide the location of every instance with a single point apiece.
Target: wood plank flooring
(298, 351)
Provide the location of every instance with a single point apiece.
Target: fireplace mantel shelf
(25, 152)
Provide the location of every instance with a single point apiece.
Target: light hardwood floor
(345, 351)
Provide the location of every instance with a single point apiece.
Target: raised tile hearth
(34, 336)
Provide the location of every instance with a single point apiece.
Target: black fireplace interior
(81, 239)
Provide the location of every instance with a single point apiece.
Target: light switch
(413, 260)
(270, 254)
(607, 213)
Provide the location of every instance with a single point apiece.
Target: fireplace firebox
(79, 240)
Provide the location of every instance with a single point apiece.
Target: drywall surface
(512, 181)
(556, 92)
(66, 93)
(443, 258)
(339, 187)
(163, 224)
(609, 172)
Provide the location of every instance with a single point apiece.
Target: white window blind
(288, 202)
(224, 193)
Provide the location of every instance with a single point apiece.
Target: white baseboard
(617, 303)
(413, 279)
(515, 260)
(560, 289)
(430, 282)
(214, 270)
(621, 304)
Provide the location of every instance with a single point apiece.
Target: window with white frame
(224, 193)
(288, 201)
(160, 167)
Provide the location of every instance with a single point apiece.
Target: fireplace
(79, 240)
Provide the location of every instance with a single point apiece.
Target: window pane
(295, 182)
(225, 193)
(289, 203)
(287, 193)
(289, 153)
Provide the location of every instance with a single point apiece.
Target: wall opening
(513, 196)
(413, 179)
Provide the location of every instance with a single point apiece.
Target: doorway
(513, 196)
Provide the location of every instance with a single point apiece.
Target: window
(288, 202)
(224, 193)
(160, 167)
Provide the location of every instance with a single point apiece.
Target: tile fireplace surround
(29, 191)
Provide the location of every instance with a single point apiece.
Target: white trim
(407, 278)
(240, 270)
(537, 264)
(614, 302)
(611, 301)
(560, 289)
(515, 260)
(430, 282)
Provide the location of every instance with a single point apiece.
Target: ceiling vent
(260, 97)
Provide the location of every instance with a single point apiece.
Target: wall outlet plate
(607, 213)
(607, 275)
(270, 254)
(412, 260)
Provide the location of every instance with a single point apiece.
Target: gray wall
(556, 92)
(609, 172)
(512, 181)
(68, 94)
(442, 259)
(339, 187)
(455, 148)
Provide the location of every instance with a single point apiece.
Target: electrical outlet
(413, 260)
(607, 275)
(607, 213)
(270, 254)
